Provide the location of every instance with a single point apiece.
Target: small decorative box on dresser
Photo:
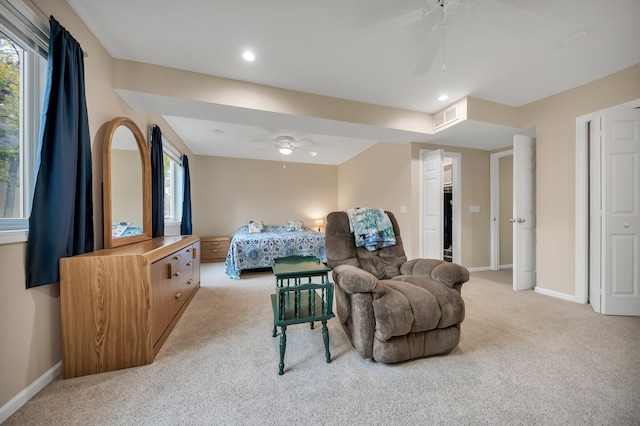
(214, 249)
(119, 305)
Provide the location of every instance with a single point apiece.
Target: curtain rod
(42, 15)
(171, 144)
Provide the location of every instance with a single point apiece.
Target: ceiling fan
(437, 17)
(287, 144)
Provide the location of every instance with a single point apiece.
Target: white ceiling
(507, 51)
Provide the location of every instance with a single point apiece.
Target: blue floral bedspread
(258, 249)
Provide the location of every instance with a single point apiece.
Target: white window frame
(175, 157)
(20, 23)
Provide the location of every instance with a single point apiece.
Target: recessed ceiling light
(313, 153)
(443, 97)
(249, 56)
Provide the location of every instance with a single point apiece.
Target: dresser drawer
(178, 297)
(172, 274)
(179, 259)
(214, 249)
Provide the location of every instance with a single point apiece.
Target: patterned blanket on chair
(371, 228)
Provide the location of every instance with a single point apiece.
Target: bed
(252, 250)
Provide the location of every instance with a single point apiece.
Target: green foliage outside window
(9, 123)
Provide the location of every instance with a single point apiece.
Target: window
(173, 186)
(23, 67)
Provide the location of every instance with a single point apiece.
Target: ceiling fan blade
(503, 17)
(301, 143)
(430, 49)
(411, 17)
(520, 6)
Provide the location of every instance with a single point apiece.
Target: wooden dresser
(119, 305)
(215, 249)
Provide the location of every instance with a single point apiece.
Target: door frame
(582, 199)
(495, 206)
(456, 176)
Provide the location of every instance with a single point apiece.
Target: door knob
(512, 220)
(520, 220)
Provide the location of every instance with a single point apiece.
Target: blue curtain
(157, 183)
(185, 226)
(61, 221)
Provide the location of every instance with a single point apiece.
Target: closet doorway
(607, 210)
(523, 212)
(440, 205)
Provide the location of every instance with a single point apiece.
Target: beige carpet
(524, 358)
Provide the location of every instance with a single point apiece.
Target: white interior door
(621, 212)
(595, 215)
(524, 213)
(432, 204)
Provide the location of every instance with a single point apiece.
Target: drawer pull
(189, 263)
(177, 273)
(177, 256)
(190, 281)
(178, 294)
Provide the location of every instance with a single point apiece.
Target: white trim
(29, 392)
(423, 152)
(456, 185)
(10, 237)
(479, 269)
(555, 294)
(582, 195)
(506, 266)
(456, 176)
(172, 228)
(495, 206)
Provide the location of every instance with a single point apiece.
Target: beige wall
(386, 175)
(380, 177)
(126, 182)
(30, 332)
(555, 121)
(475, 191)
(506, 209)
(227, 192)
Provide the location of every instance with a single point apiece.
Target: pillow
(255, 226)
(294, 225)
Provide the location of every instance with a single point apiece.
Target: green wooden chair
(296, 302)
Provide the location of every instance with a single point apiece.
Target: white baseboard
(29, 392)
(555, 294)
(505, 267)
(479, 268)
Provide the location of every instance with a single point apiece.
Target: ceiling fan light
(285, 151)
(249, 56)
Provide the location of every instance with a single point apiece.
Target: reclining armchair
(392, 309)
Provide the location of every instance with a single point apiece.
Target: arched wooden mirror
(126, 183)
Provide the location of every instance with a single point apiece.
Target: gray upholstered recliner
(392, 309)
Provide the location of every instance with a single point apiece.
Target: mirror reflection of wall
(126, 183)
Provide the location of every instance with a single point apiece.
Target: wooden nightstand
(214, 249)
